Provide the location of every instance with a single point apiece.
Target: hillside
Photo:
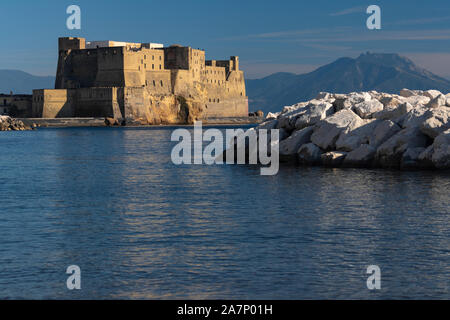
(20, 82)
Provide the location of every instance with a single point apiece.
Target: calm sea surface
(110, 201)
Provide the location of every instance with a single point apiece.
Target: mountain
(20, 82)
(370, 71)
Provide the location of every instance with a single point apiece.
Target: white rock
(441, 154)
(290, 145)
(349, 140)
(328, 130)
(437, 121)
(390, 101)
(383, 131)
(362, 156)
(390, 152)
(437, 101)
(271, 116)
(333, 158)
(309, 154)
(393, 112)
(313, 113)
(348, 101)
(407, 93)
(414, 117)
(287, 119)
(416, 100)
(324, 96)
(268, 125)
(366, 109)
(410, 158)
(432, 93)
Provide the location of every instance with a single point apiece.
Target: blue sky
(269, 36)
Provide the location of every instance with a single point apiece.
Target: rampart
(144, 82)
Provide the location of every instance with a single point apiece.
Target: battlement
(71, 43)
(151, 69)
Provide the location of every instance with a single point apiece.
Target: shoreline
(101, 122)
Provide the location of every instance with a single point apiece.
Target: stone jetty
(409, 130)
(10, 124)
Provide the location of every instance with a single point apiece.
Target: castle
(144, 82)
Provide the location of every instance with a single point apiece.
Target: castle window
(209, 99)
(153, 66)
(160, 58)
(146, 82)
(160, 67)
(154, 83)
(145, 66)
(218, 100)
(145, 57)
(153, 57)
(162, 84)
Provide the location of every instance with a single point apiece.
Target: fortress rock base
(143, 83)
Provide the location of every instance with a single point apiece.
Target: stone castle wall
(144, 83)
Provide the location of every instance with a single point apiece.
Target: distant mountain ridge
(370, 71)
(20, 82)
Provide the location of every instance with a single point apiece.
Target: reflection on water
(111, 201)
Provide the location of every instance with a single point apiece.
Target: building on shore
(144, 82)
(16, 105)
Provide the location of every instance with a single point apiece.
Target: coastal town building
(16, 105)
(144, 82)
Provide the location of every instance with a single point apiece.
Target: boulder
(268, 125)
(390, 152)
(416, 100)
(259, 113)
(414, 117)
(431, 93)
(437, 101)
(10, 124)
(390, 101)
(348, 101)
(309, 154)
(393, 112)
(425, 158)
(324, 96)
(366, 109)
(407, 93)
(441, 153)
(333, 158)
(287, 120)
(294, 107)
(363, 156)
(290, 145)
(349, 140)
(383, 131)
(328, 130)
(410, 158)
(313, 113)
(271, 116)
(437, 121)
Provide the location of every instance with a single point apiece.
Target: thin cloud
(358, 35)
(347, 11)
(418, 21)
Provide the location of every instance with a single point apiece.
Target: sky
(269, 36)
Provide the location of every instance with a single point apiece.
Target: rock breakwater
(409, 130)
